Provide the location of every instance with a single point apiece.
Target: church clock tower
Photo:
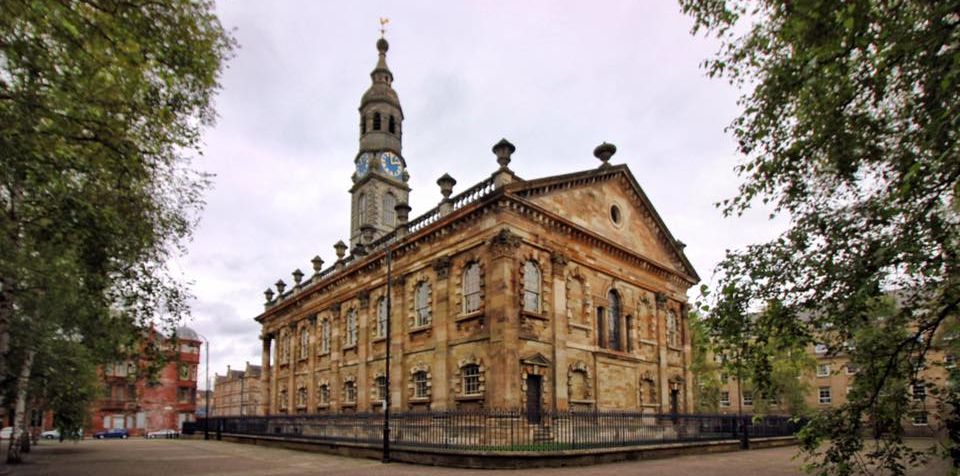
(380, 179)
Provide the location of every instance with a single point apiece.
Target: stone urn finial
(446, 183)
(317, 262)
(268, 294)
(297, 276)
(403, 213)
(280, 287)
(604, 152)
(503, 149)
(341, 249)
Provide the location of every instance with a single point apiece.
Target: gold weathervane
(383, 24)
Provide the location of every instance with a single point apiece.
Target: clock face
(391, 164)
(363, 164)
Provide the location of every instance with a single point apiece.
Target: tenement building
(554, 293)
(238, 392)
(141, 401)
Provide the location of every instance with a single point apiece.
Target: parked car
(50, 435)
(168, 433)
(6, 433)
(112, 433)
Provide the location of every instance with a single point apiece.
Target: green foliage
(102, 103)
(849, 127)
(706, 372)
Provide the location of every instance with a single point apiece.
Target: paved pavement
(212, 458)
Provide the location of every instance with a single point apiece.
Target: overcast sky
(554, 78)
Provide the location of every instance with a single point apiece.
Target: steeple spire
(380, 181)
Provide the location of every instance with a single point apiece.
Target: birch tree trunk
(16, 442)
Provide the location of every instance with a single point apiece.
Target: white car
(6, 432)
(164, 434)
(50, 435)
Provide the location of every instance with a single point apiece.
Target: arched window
(351, 327)
(392, 125)
(673, 334)
(575, 301)
(362, 209)
(304, 343)
(423, 304)
(376, 121)
(380, 383)
(578, 385)
(471, 288)
(420, 388)
(324, 336)
(531, 287)
(381, 330)
(323, 394)
(602, 327)
(302, 397)
(350, 392)
(389, 209)
(614, 320)
(471, 379)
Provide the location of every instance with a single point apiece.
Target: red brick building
(140, 405)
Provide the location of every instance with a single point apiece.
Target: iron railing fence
(504, 430)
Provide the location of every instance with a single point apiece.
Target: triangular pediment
(537, 359)
(588, 199)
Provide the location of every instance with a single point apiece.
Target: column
(292, 369)
(274, 376)
(313, 344)
(336, 387)
(398, 330)
(265, 373)
(687, 359)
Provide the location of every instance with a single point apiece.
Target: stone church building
(563, 292)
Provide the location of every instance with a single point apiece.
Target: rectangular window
(422, 298)
(724, 399)
(825, 397)
(920, 418)
(531, 287)
(949, 361)
(852, 368)
(141, 420)
(747, 399)
(823, 370)
(919, 392)
(724, 378)
(420, 387)
(471, 379)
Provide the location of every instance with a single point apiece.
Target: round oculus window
(615, 214)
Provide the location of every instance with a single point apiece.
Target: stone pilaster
(293, 339)
(687, 359)
(561, 397)
(443, 318)
(314, 344)
(336, 385)
(363, 338)
(398, 330)
(274, 375)
(662, 376)
(502, 305)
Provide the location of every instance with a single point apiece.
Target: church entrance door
(534, 393)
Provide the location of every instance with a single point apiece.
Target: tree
(102, 103)
(849, 128)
